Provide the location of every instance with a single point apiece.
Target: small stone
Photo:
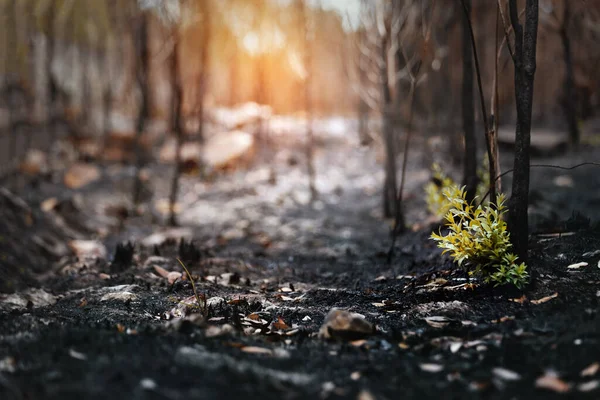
(341, 324)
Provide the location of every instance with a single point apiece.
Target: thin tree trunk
(51, 106)
(309, 149)
(569, 90)
(468, 111)
(525, 65)
(142, 70)
(176, 101)
(203, 76)
(389, 187)
(363, 107)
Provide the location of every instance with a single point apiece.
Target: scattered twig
(203, 308)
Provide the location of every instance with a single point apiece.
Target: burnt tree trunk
(176, 126)
(389, 187)
(363, 107)
(468, 110)
(525, 65)
(569, 100)
(308, 106)
(142, 69)
(51, 105)
(203, 76)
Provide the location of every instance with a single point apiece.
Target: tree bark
(308, 106)
(389, 187)
(203, 76)
(142, 69)
(176, 126)
(468, 111)
(569, 101)
(525, 66)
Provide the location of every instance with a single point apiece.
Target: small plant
(437, 204)
(479, 240)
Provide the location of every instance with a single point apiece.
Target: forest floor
(270, 265)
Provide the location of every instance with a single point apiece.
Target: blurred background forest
(102, 73)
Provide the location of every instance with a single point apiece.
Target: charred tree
(569, 100)
(142, 68)
(525, 65)
(308, 107)
(363, 81)
(176, 125)
(468, 111)
(203, 74)
(391, 180)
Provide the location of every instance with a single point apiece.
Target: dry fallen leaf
(80, 174)
(173, 276)
(430, 367)
(280, 325)
(254, 317)
(77, 355)
(552, 382)
(256, 350)
(519, 300)
(545, 299)
(455, 346)
(438, 321)
(506, 374)
(590, 370)
(87, 248)
(49, 204)
(365, 395)
(358, 343)
(161, 271)
(588, 386)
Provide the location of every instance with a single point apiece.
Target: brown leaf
(173, 276)
(256, 350)
(254, 317)
(87, 248)
(49, 204)
(83, 302)
(503, 319)
(161, 271)
(437, 321)
(552, 382)
(81, 174)
(280, 325)
(545, 299)
(590, 370)
(519, 300)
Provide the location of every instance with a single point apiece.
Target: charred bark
(142, 69)
(468, 110)
(525, 65)
(569, 100)
(389, 187)
(176, 126)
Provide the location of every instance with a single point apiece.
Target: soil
(270, 265)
